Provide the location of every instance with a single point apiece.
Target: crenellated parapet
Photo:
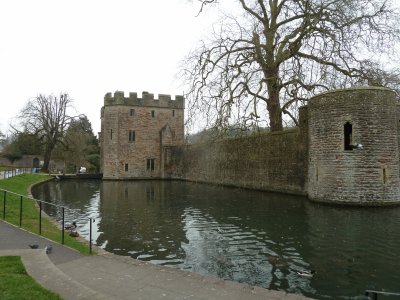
(147, 100)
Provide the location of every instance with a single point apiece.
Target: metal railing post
(90, 236)
(40, 217)
(4, 205)
(20, 212)
(41, 203)
(63, 225)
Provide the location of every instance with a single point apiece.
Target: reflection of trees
(72, 194)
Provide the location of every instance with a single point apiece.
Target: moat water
(259, 238)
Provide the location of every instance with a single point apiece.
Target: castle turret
(353, 147)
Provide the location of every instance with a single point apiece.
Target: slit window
(111, 134)
(384, 175)
(132, 135)
(153, 113)
(132, 113)
(348, 136)
(126, 167)
(173, 112)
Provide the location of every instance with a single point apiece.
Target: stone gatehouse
(346, 149)
(134, 131)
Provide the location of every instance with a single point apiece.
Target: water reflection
(259, 238)
(142, 221)
(354, 249)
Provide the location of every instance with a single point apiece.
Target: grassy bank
(30, 215)
(16, 284)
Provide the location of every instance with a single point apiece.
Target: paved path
(108, 276)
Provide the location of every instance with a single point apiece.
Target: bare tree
(47, 117)
(204, 3)
(258, 67)
(3, 139)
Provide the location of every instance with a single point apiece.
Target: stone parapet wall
(147, 100)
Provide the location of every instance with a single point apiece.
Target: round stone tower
(354, 147)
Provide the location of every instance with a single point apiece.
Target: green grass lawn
(16, 284)
(30, 213)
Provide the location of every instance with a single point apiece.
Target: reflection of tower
(150, 195)
(137, 220)
(353, 147)
(134, 132)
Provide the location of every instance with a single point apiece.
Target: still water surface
(254, 237)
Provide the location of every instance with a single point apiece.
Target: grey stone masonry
(345, 149)
(354, 147)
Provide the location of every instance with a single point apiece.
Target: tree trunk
(273, 104)
(275, 114)
(47, 157)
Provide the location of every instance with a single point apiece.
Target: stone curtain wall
(27, 162)
(269, 161)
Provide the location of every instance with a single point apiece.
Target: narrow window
(348, 132)
(150, 164)
(132, 113)
(153, 113)
(126, 167)
(110, 134)
(132, 135)
(384, 175)
(173, 112)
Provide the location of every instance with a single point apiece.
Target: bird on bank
(48, 249)
(74, 233)
(72, 226)
(34, 246)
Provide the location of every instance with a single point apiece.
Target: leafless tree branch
(257, 68)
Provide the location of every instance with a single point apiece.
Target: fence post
(371, 295)
(40, 217)
(90, 236)
(63, 225)
(4, 205)
(20, 212)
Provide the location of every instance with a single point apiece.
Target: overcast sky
(90, 47)
(87, 48)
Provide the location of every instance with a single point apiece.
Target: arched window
(348, 132)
